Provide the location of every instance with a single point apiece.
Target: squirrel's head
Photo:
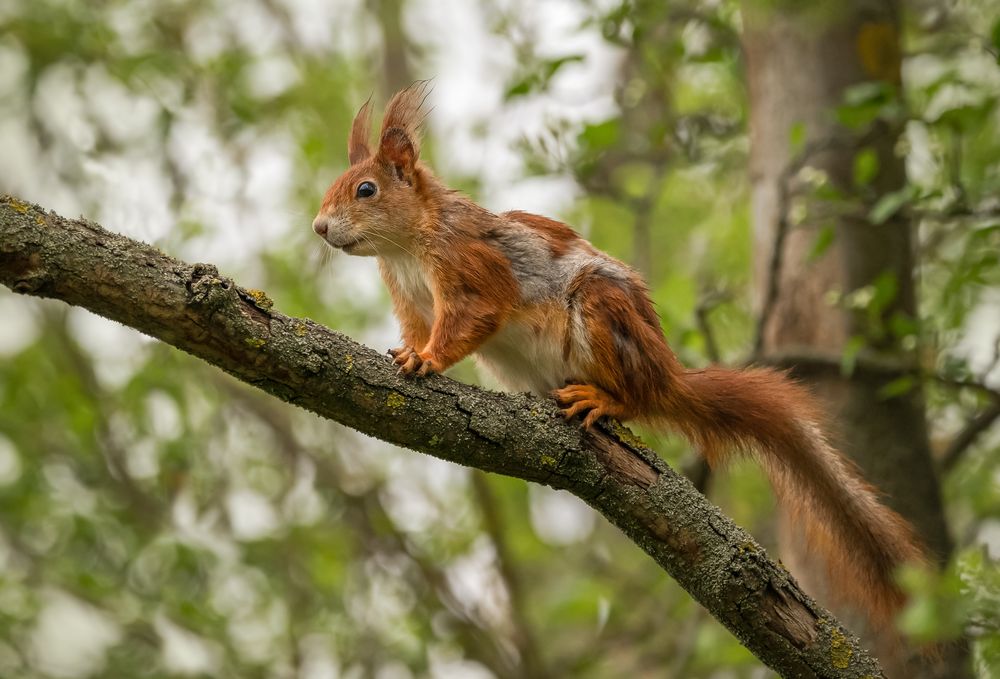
(375, 207)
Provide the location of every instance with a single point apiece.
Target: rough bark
(194, 308)
(801, 60)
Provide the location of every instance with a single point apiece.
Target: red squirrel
(547, 312)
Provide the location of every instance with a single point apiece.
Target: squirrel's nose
(320, 225)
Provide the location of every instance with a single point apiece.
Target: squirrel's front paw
(410, 362)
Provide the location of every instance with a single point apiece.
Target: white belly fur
(523, 355)
(525, 360)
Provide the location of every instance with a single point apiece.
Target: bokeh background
(159, 519)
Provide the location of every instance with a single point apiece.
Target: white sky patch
(207, 37)
(13, 70)
(19, 329)
(130, 22)
(143, 460)
(476, 130)
(921, 70)
(183, 651)
(321, 25)
(982, 328)
(303, 504)
(67, 491)
(251, 515)
(474, 579)
(447, 664)
(14, 598)
(21, 174)
(380, 599)
(393, 670)
(361, 460)
(134, 194)
(10, 660)
(163, 415)
(254, 26)
(267, 190)
(9, 8)
(318, 659)
(989, 534)
(116, 351)
(408, 505)
(355, 278)
(10, 462)
(70, 637)
(259, 636)
(271, 75)
(235, 590)
(60, 108)
(922, 166)
(201, 530)
(423, 492)
(125, 116)
(558, 517)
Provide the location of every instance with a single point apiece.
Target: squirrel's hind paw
(587, 398)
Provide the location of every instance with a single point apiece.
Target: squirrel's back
(548, 338)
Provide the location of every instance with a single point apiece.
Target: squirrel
(545, 311)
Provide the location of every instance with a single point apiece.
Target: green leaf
(866, 93)
(885, 286)
(539, 78)
(600, 135)
(995, 39)
(849, 357)
(967, 116)
(890, 204)
(551, 67)
(824, 239)
(856, 117)
(865, 166)
(903, 325)
(864, 103)
(898, 387)
(797, 137)
(984, 230)
(521, 87)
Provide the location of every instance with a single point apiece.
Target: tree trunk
(801, 60)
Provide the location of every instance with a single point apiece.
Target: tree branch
(969, 434)
(197, 310)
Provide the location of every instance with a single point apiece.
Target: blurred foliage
(158, 519)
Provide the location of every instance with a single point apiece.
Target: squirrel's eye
(367, 189)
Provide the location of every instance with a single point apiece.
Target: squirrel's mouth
(346, 247)
(358, 246)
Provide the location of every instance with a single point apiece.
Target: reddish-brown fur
(546, 310)
(556, 234)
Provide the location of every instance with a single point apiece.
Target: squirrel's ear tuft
(400, 139)
(357, 143)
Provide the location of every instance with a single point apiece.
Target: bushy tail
(762, 412)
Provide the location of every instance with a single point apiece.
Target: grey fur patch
(530, 260)
(540, 275)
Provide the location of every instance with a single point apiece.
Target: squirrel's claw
(406, 358)
(426, 368)
(410, 362)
